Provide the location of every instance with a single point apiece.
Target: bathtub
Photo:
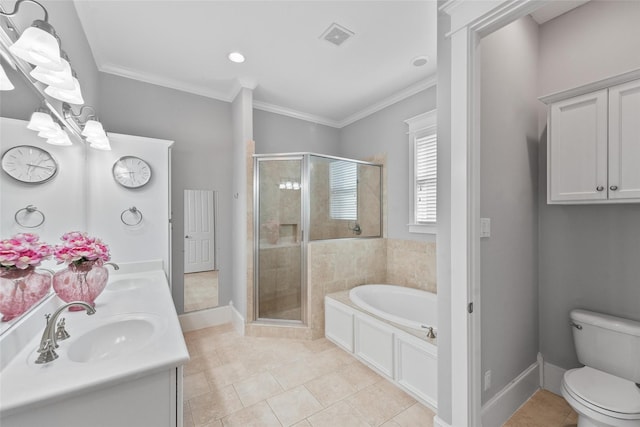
(384, 327)
(408, 307)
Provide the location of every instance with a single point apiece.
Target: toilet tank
(607, 343)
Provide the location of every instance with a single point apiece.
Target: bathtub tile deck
(253, 381)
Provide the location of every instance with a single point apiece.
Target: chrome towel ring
(136, 215)
(27, 211)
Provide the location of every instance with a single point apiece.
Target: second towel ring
(134, 211)
(29, 210)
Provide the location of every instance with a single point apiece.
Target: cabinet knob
(599, 188)
(613, 188)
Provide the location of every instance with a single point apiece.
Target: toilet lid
(604, 390)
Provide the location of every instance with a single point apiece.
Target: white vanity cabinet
(594, 143)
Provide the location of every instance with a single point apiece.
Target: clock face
(29, 164)
(131, 172)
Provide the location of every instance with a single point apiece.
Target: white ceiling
(184, 45)
(554, 9)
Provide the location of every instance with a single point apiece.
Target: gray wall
(385, 132)
(275, 133)
(588, 254)
(22, 101)
(201, 129)
(508, 187)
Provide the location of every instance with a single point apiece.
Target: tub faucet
(48, 342)
(430, 332)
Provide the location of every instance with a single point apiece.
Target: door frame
(470, 22)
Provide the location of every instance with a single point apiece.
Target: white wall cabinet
(594, 143)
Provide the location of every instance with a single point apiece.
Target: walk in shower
(299, 198)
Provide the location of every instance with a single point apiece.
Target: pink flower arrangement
(78, 247)
(22, 251)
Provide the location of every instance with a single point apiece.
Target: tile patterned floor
(200, 290)
(249, 381)
(544, 409)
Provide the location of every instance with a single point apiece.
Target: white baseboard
(237, 319)
(437, 422)
(553, 378)
(507, 401)
(205, 318)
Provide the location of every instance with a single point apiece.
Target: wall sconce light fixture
(38, 44)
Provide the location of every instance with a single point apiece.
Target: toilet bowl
(601, 399)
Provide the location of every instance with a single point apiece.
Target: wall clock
(131, 172)
(29, 164)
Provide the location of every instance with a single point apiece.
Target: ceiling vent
(336, 34)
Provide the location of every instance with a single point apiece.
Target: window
(423, 140)
(343, 184)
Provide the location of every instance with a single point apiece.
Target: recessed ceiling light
(236, 57)
(419, 61)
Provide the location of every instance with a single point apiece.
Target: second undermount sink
(127, 284)
(120, 336)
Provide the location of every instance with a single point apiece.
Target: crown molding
(265, 106)
(272, 108)
(168, 83)
(397, 97)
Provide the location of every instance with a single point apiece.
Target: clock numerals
(131, 172)
(29, 164)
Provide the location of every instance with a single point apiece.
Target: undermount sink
(127, 284)
(121, 336)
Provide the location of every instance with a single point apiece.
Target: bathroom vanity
(121, 366)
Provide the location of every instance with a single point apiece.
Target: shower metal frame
(305, 215)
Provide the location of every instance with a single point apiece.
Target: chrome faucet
(112, 264)
(48, 342)
(430, 332)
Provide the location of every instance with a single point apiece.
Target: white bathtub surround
(127, 356)
(400, 353)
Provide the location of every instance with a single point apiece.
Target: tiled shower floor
(233, 380)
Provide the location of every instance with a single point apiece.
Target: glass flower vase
(21, 289)
(82, 281)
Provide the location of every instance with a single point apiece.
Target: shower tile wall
(412, 263)
(337, 265)
(325, 227)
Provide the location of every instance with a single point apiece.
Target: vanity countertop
(136, 295)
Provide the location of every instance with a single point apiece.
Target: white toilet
(605, 391)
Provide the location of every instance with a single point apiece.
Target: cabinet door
(624, 141)
(577, 153)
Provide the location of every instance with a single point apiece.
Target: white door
(577, 153)
(199, 238)
(624, 141)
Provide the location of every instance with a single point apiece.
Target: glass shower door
(279, 278)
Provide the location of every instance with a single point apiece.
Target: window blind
(343, 183)
(426, 158)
